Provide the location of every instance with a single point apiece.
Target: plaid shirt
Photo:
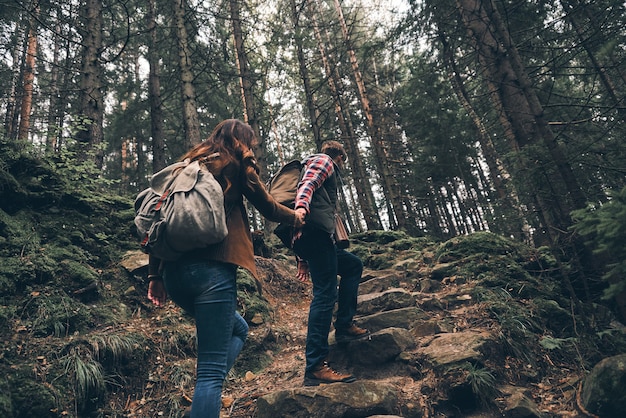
(318, 168)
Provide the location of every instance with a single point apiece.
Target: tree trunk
(90, 134)
(616, 98)
(390, 187)
(520, 104)
(28, 77)
(54, 128)
(349, 140)
(508, 199)
(11, 116)
(304, 74)
(159, 160)
(191, 122)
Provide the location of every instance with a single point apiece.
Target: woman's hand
(300, 216)
(156, 292)
(303, 274)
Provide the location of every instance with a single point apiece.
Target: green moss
(51, 312)
(479, 242)
(6, 405)
(250, 301)
(30, 398)
(77, 272)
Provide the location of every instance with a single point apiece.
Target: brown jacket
(237, 247)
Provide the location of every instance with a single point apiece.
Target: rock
(408, 265)
(384, 301)
(449, 348)
(358, 399)
(382, 346)
(443, 270)
(134, 260)
(257, 319)
(604, 390)
(427, 327)
(518, 404)
(398, 318)
(381, 283)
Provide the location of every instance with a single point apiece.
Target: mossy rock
(379, 236)
(249, 298)
(30, 398)
(479, 242)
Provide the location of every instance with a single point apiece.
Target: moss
(30, 398)
(6, 405)
(479, 242)
(379, 237)
(556, 318)
(250, 300)
(77, 272)
(52, 312)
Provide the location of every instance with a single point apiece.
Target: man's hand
(157, 293)
(303, 271)
(300, 216)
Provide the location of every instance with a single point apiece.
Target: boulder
(382, 282)
(455, 347)
(398, 318)
(381, 347)
(604, 389)
(518, 404)
(134, 261)
(384, 301)
(358, 399)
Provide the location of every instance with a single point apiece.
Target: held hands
(303, 271)
(157, 293)
(300, 215)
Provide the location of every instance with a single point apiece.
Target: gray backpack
(182, 210)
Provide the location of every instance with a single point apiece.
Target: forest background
(457, 116)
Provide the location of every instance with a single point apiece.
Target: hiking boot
(350, 334)
(325, 374)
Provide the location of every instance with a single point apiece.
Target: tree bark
(247, 86)
(90, 134)
(159, 160)
(28, 77)
(54, 128)
(191, 122)
(520, 104)
(304, 73)
(13, 103)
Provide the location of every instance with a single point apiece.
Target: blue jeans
(207, 290)
(326, 261)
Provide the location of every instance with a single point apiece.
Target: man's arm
(318, 168)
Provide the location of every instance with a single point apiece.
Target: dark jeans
(207, 290)
(326, 261)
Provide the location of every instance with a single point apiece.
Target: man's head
(335, 151)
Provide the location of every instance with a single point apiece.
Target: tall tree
(154, 91)
(514, 93)
(29, 72)
(191, 122)
(375, 129)
(344, 119)
(90, 123)
(247, 83)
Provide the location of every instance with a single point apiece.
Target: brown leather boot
(325, 374)
(349, 334)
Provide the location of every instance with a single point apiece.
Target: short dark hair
(333, 149)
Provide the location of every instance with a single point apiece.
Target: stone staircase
(416, 362)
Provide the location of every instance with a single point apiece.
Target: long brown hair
(231, 138)
(229, 141)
